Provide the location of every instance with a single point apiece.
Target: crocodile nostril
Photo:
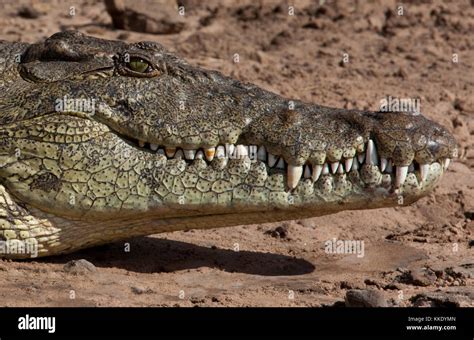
(433, 147)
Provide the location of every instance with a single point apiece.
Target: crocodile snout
(412, 145)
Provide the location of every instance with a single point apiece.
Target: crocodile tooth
(401, 175)
(199, 155)
(154, 147)
(389, 168)
(141, 143)
(210, 153)
(348, 164)
(189, 154)
(241, 151)
(252, 152)
(383, 164)
(179, 154)
(294, 173)
(411, 167)
(280, 164)
(340, 169)
(445, 163)
(272, 159)
(334, 167)
(371, 153)
(307, 171)
(424, 171)
(355, 164)
(230, 148)
(170, 152)
(361, 157)
(262, 154)
(317, 169)
(325, 169)
(220, 151)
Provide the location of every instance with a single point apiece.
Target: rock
(392, 286)
(365, 298)
(463, 271)
(464, 104)
(469, 214)
(157, 17)
(421, 277)
(33, 10)
(377, 22)
(278, 232)
(443, 299)
(313, 24)
(79, 267)
(141, 290)
(370, 282)
(249, 12)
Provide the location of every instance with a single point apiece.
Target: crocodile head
(102, 140)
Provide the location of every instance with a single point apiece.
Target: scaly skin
(73, 176)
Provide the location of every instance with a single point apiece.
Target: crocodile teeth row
(370, 157)
(296, 172)
(221, 151)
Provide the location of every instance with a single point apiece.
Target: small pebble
(79, 267)
(365, 298)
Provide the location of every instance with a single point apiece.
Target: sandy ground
(428, 52)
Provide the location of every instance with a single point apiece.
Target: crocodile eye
(139, 65)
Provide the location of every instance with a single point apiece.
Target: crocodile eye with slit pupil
(138, 65)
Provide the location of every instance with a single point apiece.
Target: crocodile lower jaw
(392, 176)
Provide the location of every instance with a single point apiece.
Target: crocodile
(105, 140)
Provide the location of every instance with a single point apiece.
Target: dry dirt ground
(416, 255)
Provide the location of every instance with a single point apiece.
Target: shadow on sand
(154, 255)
